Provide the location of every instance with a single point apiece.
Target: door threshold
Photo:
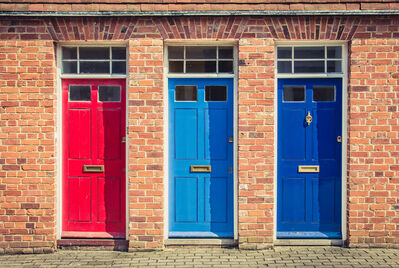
(205, 242)
(93, 244)
(309, 242)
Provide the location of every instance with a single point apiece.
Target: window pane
(284, 53)
(225, 66)
(109, 93)
(334, 52)
(94, 53)
(323, 93)
(90, 67)
(293, 93)
(225, 52)
(334, 66)
(176, 52)
(201, 67)
(79, 93)
(69, 67)
(69, 53)
(118, 67)
(185, 93)
(201, 52)
(309, 53)
(118, 53)
(176, 66)
(215, 93)
(284, 67)
(309, 66)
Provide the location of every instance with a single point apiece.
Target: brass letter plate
(93, 168)
(308, 169)
(200, 168)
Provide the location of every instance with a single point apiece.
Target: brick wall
(146, 119)
(27, 121)
(373, 149)
(27, 146)
(256, 143)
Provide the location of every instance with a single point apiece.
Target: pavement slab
(210, 257)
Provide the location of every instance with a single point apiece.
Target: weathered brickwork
(28, 121)
(145, 123)
(373, 145)
(27, 146)
(256, 143)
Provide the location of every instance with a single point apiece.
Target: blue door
(309, 158)
(200, 157)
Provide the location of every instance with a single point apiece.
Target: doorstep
(200, 242)
(93, 244)
(309, 242)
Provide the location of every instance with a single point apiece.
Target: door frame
(166, 76)
(59, 123)
(344, 154)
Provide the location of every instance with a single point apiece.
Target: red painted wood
(93, 203)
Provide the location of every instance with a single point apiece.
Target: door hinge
(230, 170)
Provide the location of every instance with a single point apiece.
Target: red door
(93, 158)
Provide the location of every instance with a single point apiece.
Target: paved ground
(278, 257)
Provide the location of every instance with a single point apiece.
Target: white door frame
(344, 76)
(166, 76)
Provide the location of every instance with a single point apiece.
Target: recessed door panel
(186, 196)
(79, 133)
(109, 207)
(79, 199)
(109, 134)
(324, 137)
(294, 146)
(294, 200)
(186, 134)
(93, 158)
(309, 158)
(216, 199)
(324, 192)
(200, 157)
(215, 128)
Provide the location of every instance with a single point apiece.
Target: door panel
(216, 147)
(216, 212)
(200, 124)
(79, 133)
(309, 122)
(79, 197)
(186, 197)
(186, 133)
(109, 208)
(109, 134)
(93, 158)
(294, 148)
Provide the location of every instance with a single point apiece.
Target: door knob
(308, 119)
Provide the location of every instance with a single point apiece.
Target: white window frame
(94, 75)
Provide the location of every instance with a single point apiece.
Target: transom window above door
(200, 59)
(93, 60)
(309, 59)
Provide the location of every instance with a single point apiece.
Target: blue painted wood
(309, 204)
(200, 204)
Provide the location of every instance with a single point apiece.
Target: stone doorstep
(198, 242)
(92, 244)
(309, 242)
